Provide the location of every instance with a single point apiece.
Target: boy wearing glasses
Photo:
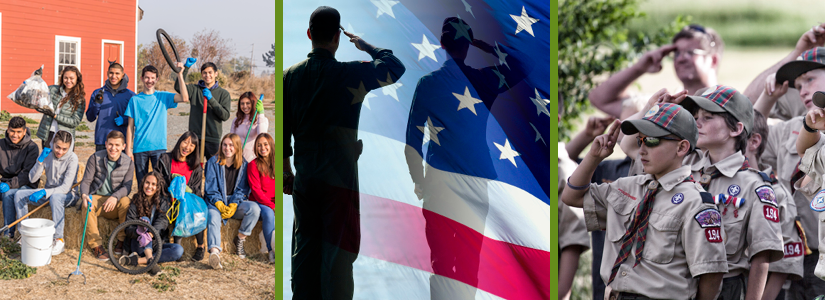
(750, 213)
(696, 52)
(664, 232)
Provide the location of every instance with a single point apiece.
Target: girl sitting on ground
(149, 204)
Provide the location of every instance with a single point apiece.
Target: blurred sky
(244, 21)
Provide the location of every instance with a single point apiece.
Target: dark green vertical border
(279, 151)
(554, 151)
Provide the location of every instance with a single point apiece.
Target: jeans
(142, 162)
(9, 211)
(248, 212)
(57, 203)
(267, 224)
(169, 252)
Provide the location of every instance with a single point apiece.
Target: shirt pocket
(733, 232)
(662, 237)
(623, 206)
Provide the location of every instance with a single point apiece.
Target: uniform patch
(767, 195)
(706, 197)
(734, 190)
(818, 203)
(653, 110)
(678, 198)
(771, 213)
(709, 218)
(714, 235)
(793, 250)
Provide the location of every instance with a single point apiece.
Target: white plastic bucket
(36, 242)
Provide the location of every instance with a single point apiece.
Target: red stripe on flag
(395, 232)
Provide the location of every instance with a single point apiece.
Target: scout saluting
(664, 231)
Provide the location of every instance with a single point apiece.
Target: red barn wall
(27, 40)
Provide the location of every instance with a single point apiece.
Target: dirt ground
(251, 278)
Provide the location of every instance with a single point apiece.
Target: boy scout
(790, 266)
(805, 75)
(322, 105)
(750, 213)
(681, 253)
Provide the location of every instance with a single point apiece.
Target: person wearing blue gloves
(18, 154)
(108, 104)
(146, 112)
(226, 196)
(61, 166)
(219, 105)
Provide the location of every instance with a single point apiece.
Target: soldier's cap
(809, 60)
(449, 27)
(324, 18)
(719, 99)
(664, 119)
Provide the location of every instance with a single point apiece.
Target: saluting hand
(651, 62)
(602, 146)
(359, 43)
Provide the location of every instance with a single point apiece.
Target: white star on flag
(462, 30)
(425, 49)
(538, 134)
(500, 78)
(390, 88)
(352, 30)
(467, 101)
(541, 104)
(468, 8)
(501, 56)
(432, 130)
(523, 22)
(358, 94)
(367, 99)
(507, 152)
(384, 7)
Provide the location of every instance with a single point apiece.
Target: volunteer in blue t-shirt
(146, 136)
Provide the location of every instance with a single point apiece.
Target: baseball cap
(721, 99)
(809, 60)
(664, 119)
(324, 18)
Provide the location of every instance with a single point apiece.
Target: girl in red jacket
(261, 175)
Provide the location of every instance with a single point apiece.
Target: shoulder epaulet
(765, 177)
(707, 197)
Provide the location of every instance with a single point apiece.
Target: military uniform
(322, 105)
(684, 239)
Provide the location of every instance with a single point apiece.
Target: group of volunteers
(713, 200)
(130, 133)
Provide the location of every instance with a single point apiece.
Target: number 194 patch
(771, 213)
(793, 250)
(766, 195)
(714, 235)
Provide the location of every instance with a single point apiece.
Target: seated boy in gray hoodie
(60, 164)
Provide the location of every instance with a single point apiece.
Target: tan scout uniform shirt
(755, 225)
(813, 164)
(683, 237)
(572, 231)
(791, 264)
(780, 154)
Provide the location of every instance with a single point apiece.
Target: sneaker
(198, 254)
(119, 248)
(215, 260)
(239, 246)
(129, 260)
(154, 270)
(57, 246)
(271, 257)
(100, 253)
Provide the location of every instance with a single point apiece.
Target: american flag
(485, 139)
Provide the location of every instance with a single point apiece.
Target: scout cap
(664, 119)
(809, 60)
(324, 19)
(721, 99)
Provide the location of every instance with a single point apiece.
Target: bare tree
(208, 46)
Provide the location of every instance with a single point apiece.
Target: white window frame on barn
(62, 57)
